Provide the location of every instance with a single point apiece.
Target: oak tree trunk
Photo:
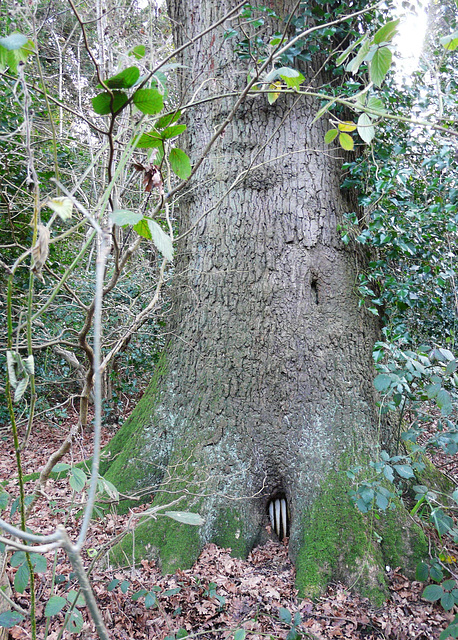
(266, 387)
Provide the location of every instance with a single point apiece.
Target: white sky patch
(410, 38)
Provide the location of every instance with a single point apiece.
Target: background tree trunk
(267, 389)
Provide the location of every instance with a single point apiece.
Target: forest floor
(218, 596)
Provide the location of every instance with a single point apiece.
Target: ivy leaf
(186, 517)
(380, 65)
(124, 217)
(162, 240)
(366, 129)
(54, 605)
(149, 101)
(123, 80)
(102, 103)
(180, 163)
(346, 142)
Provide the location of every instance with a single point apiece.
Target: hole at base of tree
(277, 509)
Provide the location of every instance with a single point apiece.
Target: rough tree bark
(266, 388)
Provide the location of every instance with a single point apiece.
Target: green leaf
(170, 118)
(4, 499)
(387, 32)
(451, 367)
(10, 618)
(113, 584)
(380, 65)
(343, 56)
(388, 473)
(382, 382)
(404, 470)
(346, 141)
(435, 573)
(366, 129)
(124, 217)
(284, 615)
(123, 80)
(381, 501)
(150, 600)
(54, 605)
(293, 634)
(449, 585)
(75, 621)
(180, 163)
(21, 579)
(17, 558)
(60, 466)
(354, 64)
(105, 486)
(138, 51)
(240, 634)
(142, 228)
(451, 630)
(74, 597)
(331, 135)
(377, 105)
(139, 594)
(14, 41)
(148, 101)
(172, 132)
(323, 110)
(150, 140)
(441, 521)
(162, 240)
(433, 592)
(443, 400)
(186, 517)
(450, 42)
(77, 479)
(102, 103)
(182, 633)
(125, 584)
(421, 572)
(39, 563)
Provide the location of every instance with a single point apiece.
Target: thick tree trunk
(267, 389)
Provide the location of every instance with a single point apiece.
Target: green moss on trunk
(230, 533)
(338, 543)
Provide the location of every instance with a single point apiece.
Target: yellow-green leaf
(273, 94)
(62, 206)
(347, 126)
(346, 142)
(330, 135)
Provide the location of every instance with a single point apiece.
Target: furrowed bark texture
(267, 388)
